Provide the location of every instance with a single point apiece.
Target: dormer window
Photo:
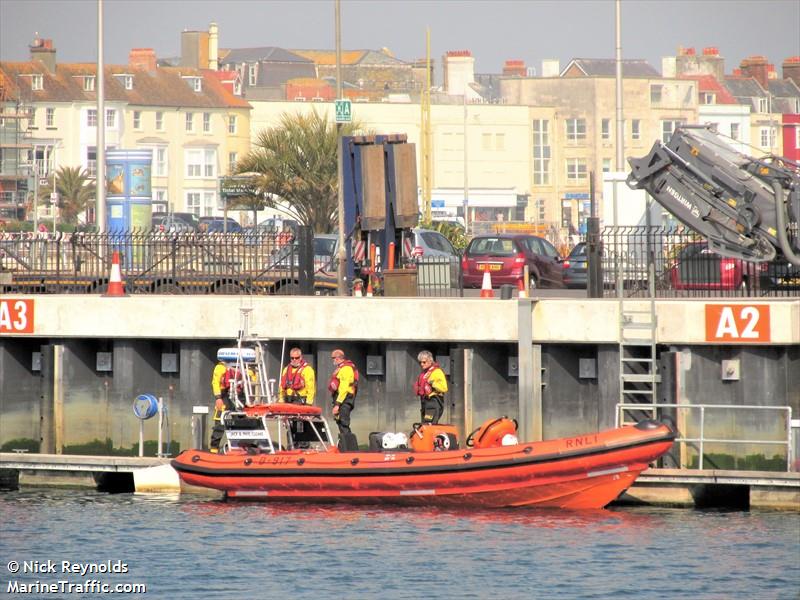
(88, 83)
(37, 82)
(196, 83)
(126, 80)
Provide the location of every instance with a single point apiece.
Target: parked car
(187, 218)
(432, 243)
(779, 275)
(697, 267)
(576, 267)
(219, 225)
(170, 223)
(504, 257)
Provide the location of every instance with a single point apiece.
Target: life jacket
(333, 384)
(232, 376)
(293, 378)
(422, 386)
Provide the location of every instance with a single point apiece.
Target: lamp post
(341, 285)
(100, 177)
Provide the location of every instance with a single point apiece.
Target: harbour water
(194, 547)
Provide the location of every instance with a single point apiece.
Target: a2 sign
(731, 323)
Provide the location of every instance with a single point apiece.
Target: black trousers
(343, 418)
(431, 409)
(219, 429)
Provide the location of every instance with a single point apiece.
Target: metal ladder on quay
(638, 368)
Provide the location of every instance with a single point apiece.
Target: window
(210, 163)
(111, 118)
(541, 152)
(159, 198)
(193, 202)
(540, 209)
(735, 131)
(767, 137)
(763, 105)
(656, 94)
(576, 130)
(486, 141)
(159, 121)
(606, 165)
(605, 129)
(127, 81)
(500, 141)
(636, 129)
(50, 117)
(196, 83)
(201, 163)
(206, 122)
(137, 119)
(37, 82)
(189, 121)
(209, 203)
(251, 74)
(232, 159)
(576, 170)
(88, 83)
(232, 124)
(91, 161)
(708, 98)
(91, 117)
(667, 127)
(160, 160)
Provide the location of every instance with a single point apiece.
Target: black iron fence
(156, 263)
(664, 262)
(673, 262)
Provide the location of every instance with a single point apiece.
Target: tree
(75, 190)
(295, 164)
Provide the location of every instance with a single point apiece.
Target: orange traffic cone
(369, 287)
(486, 288)
(523, 293)
(357, 286)
(115, 285)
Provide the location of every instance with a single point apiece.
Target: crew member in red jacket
(430, 387)
(298, 380)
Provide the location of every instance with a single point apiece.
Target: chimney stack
(756, 67)
(213, 47)
(791, 69)
(43, 50)
(142, 58)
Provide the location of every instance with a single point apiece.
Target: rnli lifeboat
(284, 452)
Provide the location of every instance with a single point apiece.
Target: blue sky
(493, 30)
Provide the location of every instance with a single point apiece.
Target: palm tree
(296, 165)
(75, 191)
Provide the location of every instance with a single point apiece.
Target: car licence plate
(488, 267)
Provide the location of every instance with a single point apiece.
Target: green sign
(343, 112)
(232, 187)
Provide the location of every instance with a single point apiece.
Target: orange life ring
(491, 433)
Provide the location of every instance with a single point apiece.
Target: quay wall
(106, 351)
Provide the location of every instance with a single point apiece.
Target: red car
(504, 256)
(696, 267)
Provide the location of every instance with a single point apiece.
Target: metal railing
(439, 276)
(675, 262)
(699, 442)
(153, 262)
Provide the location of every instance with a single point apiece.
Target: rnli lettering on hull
(580, 442)
(695, 212)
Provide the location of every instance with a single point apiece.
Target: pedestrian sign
(343, 113)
